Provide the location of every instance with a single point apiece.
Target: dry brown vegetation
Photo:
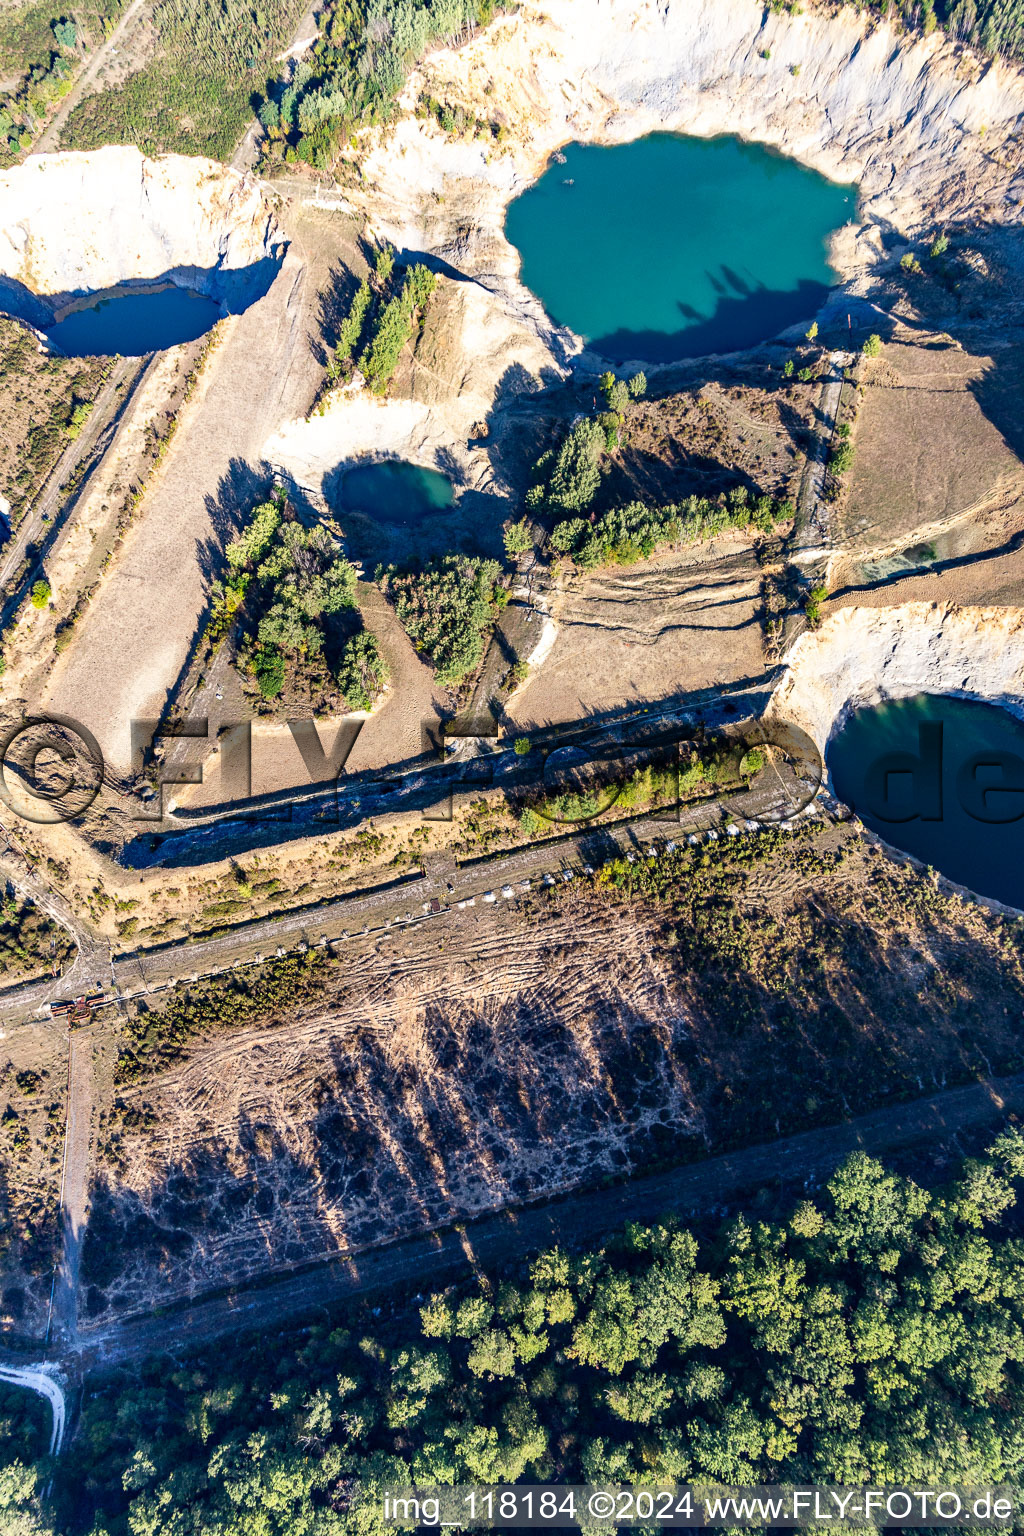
(775, 986)
(38, 393)
(33, 1074)
(709, 436)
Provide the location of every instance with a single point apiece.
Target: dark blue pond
(675, 247)
(131, 324)
(393, 491)
(943, 779)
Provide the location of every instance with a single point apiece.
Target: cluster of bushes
(447, 606)
(355, 71)
(870, 1335)
(633, 532)
(714, 766)
(393, 325)
(457, 122)
(155, 1038)
(617, 394)
(295, 585)
(841, 458)
(29, 940)
(566, 479)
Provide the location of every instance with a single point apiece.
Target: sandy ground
(926, 452)
(136, 636)
(661, 629)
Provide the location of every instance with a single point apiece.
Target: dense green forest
(994, 26)
(194, 95)
(874, 1333)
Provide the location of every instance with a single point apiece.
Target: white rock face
(863, 656)
(83, 222)
(924, 126)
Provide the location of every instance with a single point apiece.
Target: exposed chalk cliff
(74, 223)
(927, 128)
(862, 656)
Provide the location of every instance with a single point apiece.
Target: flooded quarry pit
(673, 246)
(942, 778)
(132, 324)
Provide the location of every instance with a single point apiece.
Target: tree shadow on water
(744, 316)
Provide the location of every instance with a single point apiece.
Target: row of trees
(633, 532)
(382, 316)
(994, 26)
(872, 1334)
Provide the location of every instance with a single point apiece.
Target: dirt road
(94, 441)
(74, 1193)
(49, 139)
(579, 1219)
(42, 1379)
(811, 533)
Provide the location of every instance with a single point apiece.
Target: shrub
(362, 672)
(517, 538)
(268, 668)
(873, 346)
(40, 594)
(812, 607)
(522, 746)
(841, 457)
(638, 386)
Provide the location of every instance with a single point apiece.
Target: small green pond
(943, 779)
(674, 247)
(393, 491)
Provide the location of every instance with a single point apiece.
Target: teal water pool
(674, 247)
(935, 776)
(393, 491)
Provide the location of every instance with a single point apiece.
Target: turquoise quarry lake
(673, 247)
(948, 766)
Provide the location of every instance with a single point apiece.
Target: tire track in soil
(583, 1217)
